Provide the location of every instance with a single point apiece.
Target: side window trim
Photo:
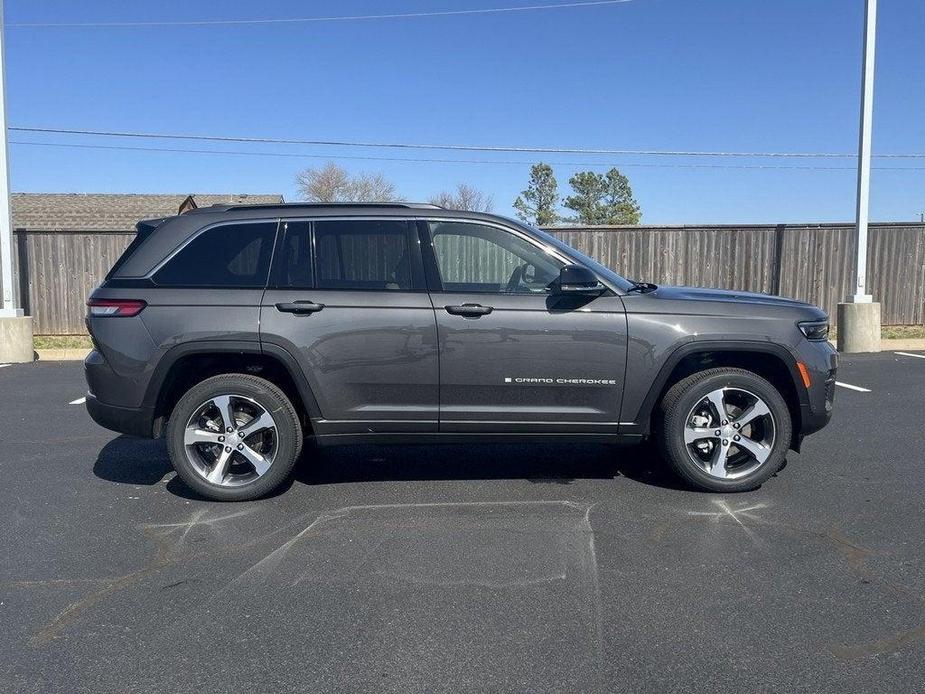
(434, 279)
(429, 256)
(149, 276)
(278, 268)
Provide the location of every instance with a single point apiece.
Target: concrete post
(858, 327)
(16, 340)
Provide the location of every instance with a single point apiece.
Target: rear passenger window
(230, 255)
(363, 254)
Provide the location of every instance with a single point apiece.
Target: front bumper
(816, 408)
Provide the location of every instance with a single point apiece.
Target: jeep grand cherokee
(235, 331)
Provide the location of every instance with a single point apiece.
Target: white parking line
(851, 387)
(909, 354)
(78, 401)
(2, 365)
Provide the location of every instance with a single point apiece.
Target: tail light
(115, 307)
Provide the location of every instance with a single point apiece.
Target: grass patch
(902, 332)
(893, 332)
(62, 342)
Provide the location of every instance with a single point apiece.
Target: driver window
(486, 259)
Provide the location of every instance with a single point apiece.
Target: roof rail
(257, 206)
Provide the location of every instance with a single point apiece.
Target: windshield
(621, 283)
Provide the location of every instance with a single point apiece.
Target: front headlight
(815, 329)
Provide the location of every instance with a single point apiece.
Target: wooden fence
(805, 261)
(812, 262)
(61, 269)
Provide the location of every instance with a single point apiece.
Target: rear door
(516, 357)
(347, 299)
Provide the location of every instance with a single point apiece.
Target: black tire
(684, 396)
(288, 439)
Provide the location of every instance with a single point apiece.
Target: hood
(727, 295)
(703, 294)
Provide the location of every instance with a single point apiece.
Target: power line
(306, 20)
(459, 148)
(293, 155)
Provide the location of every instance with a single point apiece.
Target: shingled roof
(107, 211)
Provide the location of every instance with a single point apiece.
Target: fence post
(22, 257)
(777, 267)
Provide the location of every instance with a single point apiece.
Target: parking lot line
(78, 401)
(851, 387)
(910, 354)
(2, 365)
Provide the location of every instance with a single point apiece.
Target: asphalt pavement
(482, 568)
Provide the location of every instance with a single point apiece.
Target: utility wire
(306, 20)
(453, 161)
(459, 148)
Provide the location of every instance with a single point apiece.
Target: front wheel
(234, 437)
(724, 430)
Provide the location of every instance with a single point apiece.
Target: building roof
(109, 211)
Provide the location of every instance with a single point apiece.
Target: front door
(347, 300)
(516, 357)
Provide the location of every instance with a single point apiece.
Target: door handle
(469, 310)
(299, 307)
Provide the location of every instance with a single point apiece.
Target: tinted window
(143, 231)
(482, 258)
(363, 254)
(230, 255)
(295, 265)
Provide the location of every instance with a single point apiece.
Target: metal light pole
(15, 328)
(6, 232)
(867, 114)
(859, 317)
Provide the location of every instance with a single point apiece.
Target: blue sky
(725, 75)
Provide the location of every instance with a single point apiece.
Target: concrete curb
(906, 344)
(78, 354)
(912, 343)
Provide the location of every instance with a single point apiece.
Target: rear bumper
(135, 421)
(106, 387)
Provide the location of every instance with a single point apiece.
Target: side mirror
(577, 279)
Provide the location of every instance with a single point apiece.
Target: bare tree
(327, 184)
(465, 197)
(332, 183)
(373, 187)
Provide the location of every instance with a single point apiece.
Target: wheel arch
(190, 363)
(773, 362)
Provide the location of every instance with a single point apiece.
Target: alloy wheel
(730, 433)
(231, 440)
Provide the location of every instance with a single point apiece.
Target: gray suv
(236, 331)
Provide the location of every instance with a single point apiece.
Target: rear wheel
(234, 437)
(724, 430)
